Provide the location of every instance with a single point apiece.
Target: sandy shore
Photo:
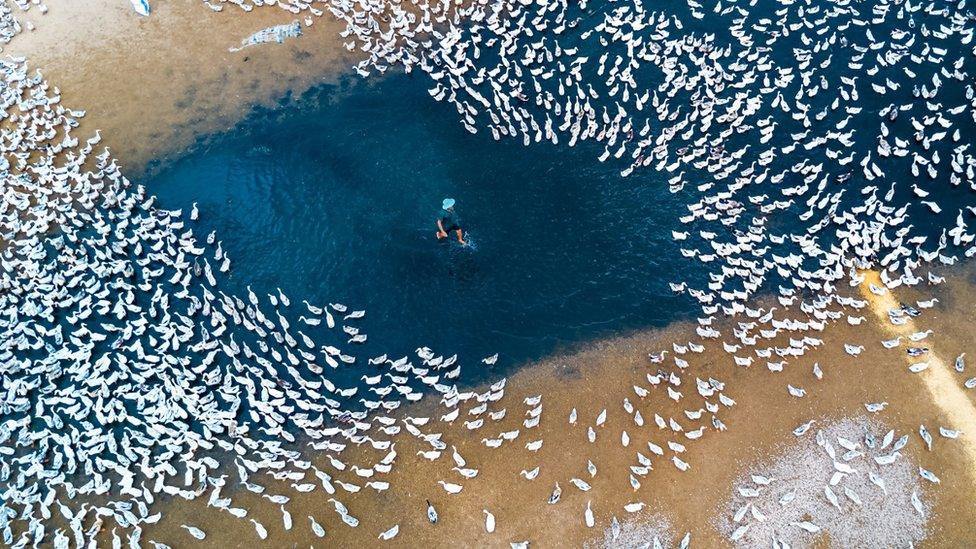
(153, 85)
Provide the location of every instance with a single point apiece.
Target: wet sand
(760, 426)
(155, 85)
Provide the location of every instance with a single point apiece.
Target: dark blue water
(334, 199)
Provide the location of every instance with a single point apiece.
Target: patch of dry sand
(153, 85)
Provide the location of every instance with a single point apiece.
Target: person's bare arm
(441, 233)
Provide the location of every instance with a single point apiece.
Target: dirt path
(939, 379)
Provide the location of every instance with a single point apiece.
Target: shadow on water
(334, 198)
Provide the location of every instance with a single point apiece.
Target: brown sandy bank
(154, 84)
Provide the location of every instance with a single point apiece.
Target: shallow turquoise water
(334, 199)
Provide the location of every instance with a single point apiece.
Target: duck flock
(816, 486)
(860, 111)
(131, 374)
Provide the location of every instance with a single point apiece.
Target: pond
(334, 198)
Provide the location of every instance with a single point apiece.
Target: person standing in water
(448, 220)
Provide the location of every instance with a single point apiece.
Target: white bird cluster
(760, 113)
(693, 104)
(849, 482)
(128, 372)
(9, 25)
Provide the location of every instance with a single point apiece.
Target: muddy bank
(154, 85)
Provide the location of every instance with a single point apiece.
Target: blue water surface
(333, 199)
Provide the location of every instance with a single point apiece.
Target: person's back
(450, 220)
